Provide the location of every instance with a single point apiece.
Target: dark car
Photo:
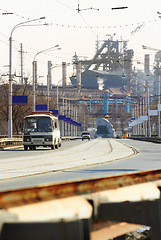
(118, 136)
(86, 135)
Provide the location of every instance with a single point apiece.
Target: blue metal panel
(41, 107)
(61, 117)
(68, 120)
(19, 100)
(54, 112)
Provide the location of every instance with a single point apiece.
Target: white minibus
(41, 129)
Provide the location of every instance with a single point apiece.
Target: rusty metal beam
(133, 198)
(61, 190)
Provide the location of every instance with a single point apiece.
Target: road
(148, 157)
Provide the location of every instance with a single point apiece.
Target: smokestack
(146, 63)
(49, 74)
(78, 72)
(64, 74)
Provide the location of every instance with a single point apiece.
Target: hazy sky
(75, 31)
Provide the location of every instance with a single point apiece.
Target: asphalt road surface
(148, 157)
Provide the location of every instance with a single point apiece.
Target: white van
(41, 129)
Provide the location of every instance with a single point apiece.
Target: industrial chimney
(78, 72)
(146, 64)
(64, 74)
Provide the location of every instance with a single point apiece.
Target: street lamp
(142, 110)
(57, 106)
(158, 101)
(159, 132)
(10, 73)
(48, 83)
(52, 67)
(147, 101)
(34, 72)
(57, 95)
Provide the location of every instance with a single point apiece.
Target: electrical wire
(87, 24)
(64, 5)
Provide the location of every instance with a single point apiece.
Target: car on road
(86, 135)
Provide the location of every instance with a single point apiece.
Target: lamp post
(159, 132)
(34, 72)
(48, 87)
(10, 73)
(57, 106)
(143, 110)
(57, 95)
(64, 85)
(146, 102)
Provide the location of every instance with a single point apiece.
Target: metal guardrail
(84, 209)
(147, 139)
(17, 140)
(4, 142)
(14, 136)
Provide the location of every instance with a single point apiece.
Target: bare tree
(18, 111)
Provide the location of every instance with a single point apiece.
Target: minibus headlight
(27, 139)
(48, 139)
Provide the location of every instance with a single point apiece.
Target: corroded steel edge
(40, 193)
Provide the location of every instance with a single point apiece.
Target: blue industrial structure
(106, 97)
(128, 104)
(107, 101)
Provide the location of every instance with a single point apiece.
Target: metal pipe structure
(10, 72)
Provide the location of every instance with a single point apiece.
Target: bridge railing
(17, 140)
(148, 139)
(5, 141)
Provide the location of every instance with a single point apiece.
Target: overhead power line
(118, 8)
(91, 8)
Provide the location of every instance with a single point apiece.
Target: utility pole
(48, 94)
(10, 73)
(34, 65)
(49, 74)
(21, 52)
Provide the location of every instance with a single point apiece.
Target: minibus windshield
(38, 124)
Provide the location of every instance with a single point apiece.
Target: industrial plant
(108, 85)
